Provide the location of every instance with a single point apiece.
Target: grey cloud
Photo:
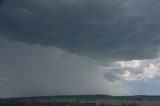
(111, 76)
(135, 70)
(27, 70)
(1, 2)
(139, 76)
(101, 29)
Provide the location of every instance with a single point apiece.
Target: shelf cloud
(99, 29)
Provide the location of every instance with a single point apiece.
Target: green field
(83, 100)
(116, 102)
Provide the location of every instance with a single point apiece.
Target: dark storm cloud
(1, 2)
(117, 29)
(33, 70)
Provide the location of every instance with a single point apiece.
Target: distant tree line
(15, 103)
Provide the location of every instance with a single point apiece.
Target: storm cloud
(138, 76)
(94, 46)
(133, 70)
(100, 29)
(27, 70)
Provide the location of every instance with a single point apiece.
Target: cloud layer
(138, 76)
(27, 70)
(134, 70)
(100, 29)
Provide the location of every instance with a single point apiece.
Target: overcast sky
(69, 47)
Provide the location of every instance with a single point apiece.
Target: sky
(76, 47)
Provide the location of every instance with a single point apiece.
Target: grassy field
(83, 101)
(114, 101)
